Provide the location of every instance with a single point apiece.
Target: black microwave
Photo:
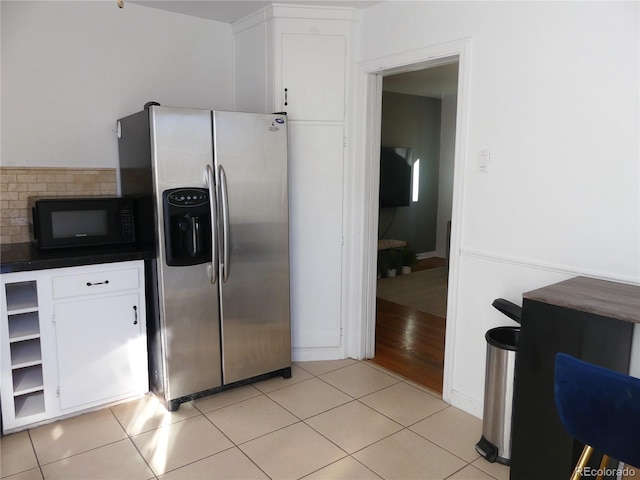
(81, 221)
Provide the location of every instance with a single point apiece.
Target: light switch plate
(484, 160)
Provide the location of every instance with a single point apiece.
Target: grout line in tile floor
(343, 419)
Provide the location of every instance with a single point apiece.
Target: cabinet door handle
(286, 97)
(89, 284)
(135, 315)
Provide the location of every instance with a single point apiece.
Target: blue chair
(600, 408)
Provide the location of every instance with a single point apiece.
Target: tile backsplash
(17, 184)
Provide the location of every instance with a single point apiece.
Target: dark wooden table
(588, 318)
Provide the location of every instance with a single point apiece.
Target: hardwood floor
(426, 263)
(410, 342)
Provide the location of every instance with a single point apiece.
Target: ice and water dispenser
(187, 226)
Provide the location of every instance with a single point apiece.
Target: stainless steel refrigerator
(211, 199)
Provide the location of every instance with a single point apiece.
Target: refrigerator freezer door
(252, 149)
(181, 149)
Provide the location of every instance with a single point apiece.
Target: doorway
(418, 119)
(362, 344)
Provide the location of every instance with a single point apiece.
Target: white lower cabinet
(71, 339)
(315, 175)
(99, 367)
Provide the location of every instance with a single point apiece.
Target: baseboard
(466, 404)
(316, 354)
(423, 255)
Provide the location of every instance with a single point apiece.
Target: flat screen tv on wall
(395, 177)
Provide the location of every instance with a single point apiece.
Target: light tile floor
(332, 420)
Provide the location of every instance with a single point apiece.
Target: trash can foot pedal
(487, 449)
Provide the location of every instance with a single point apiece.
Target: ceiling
(229, 11)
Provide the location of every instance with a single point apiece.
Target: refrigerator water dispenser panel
(187, 226)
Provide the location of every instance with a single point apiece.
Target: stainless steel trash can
(502, 346)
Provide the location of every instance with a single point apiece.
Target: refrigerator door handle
(213, 271)
(226, 261)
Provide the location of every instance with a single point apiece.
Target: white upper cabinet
(252, 69)
(313, 76)
(285, 62)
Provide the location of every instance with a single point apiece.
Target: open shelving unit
(25, 349)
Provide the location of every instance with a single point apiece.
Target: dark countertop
(601, 297)
(22, 257)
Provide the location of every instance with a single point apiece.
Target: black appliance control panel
(126, 222)
(188, 197)
(187, 226)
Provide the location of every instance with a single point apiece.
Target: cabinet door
(315, 206)
(101, 349)
(313, 74)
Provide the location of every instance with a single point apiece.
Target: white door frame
(361, 331)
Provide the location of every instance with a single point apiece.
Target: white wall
(554, 96)
(413, 121)
(71, 69)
